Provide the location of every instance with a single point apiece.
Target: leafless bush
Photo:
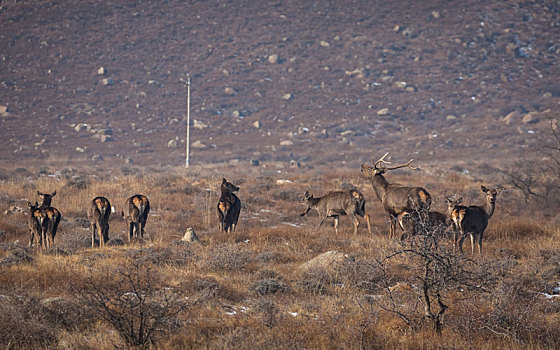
(537, 175)
(133, 300)
(432, 274)
(228, 258)
(269, 286)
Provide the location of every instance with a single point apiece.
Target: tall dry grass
(246, 289)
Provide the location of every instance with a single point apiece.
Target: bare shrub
(228, 258)
(133, 300)
(269, 286)
(25, 325)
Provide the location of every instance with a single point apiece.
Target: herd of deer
(407, 206)
(43, 219)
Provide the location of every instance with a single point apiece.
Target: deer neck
(313, 202)
(488, 207)
(380, 185)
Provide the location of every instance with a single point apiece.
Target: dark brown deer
(136, 209)
(229, 206)
(337, 203)
(455, 212)
(53, 218)
(98, 214)
(473, 220)
(38, 224)
(413, 222)
(395, 198)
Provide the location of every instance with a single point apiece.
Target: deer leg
(321, 223)
(31, 237)
(100, 234)
(355, 222)
(336, 218)
(480, 244)
(130, 230)
(472, 243)
(463, 236)
(366, 216)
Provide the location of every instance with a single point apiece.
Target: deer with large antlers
(395, 198)
(98, 214)
(335, 204)
(473, 220)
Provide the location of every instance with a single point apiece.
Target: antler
(382, 160)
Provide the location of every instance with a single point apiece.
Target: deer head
(46, 198)
(379, 168)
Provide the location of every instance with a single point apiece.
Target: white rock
(273, 59)
(190, 236)
(199, 125)
(287, 97)
(286, 143)
(80, 149)
(257, 124)
(101, 71)
(172, 144)
(198, 144)
(383, 111)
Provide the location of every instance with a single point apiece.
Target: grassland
(248, 289)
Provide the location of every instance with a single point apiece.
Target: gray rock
(190, 236)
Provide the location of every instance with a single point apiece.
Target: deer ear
(29, 204)
(499, 189)
(484, 189)
(53, 194)
(306, 195)
(224, 180)
(38, 193)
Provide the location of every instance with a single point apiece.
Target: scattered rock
(324, 43)
(172, 144)
(230, 91)
(257, 124)
(273, 59)
(80, 149)
(96, 158)
(108, 82)
(190, 236)
(294, 164)
(383, 111)
(255, 162)
(286, 143)
(3, 110)
(199, 125)
(287, 97)
(198, 144)
(329, 261)
(101, 71)
(82, 126)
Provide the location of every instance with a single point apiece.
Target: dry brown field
(254, 288)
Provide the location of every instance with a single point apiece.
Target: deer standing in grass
(53, 218)
(136, 209)
(395, 198)
(413, 222)
(229, 206)
(98, 214)
(37, 223)
(337, 203)
(473, 220)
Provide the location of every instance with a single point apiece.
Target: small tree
(133, 300)
(539, 179)
(431, 273)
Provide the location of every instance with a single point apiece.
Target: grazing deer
(395, 198)
(98, 215)
(137, 208)
(228, 207)
(472, 220)
(53, 218)
(413, 222)
(337, 203)
(37, 222)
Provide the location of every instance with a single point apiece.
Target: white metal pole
(188, 119)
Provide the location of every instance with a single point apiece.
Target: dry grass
(246, 289)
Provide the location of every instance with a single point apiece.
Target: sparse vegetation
(260, 286)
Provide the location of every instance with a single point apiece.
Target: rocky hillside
(318, 82)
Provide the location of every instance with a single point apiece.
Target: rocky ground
(315, 82)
